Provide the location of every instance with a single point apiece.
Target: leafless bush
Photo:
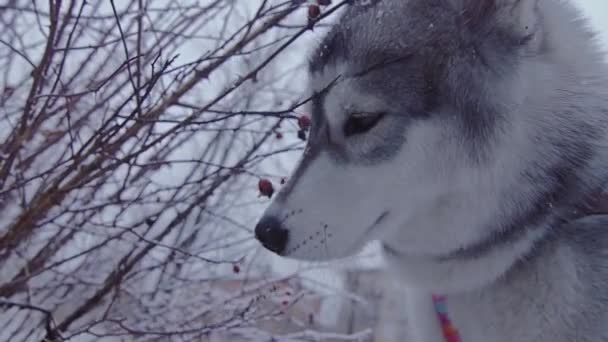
(131, 137)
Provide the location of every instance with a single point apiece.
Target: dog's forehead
(383, 30)
(368, 36)
(352, 38)
(346, 46)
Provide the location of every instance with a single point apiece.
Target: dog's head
(426, 132)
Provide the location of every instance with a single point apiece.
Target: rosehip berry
(304, 122)
(314, 11)
(266, 188)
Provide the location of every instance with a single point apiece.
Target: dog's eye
(359, 123)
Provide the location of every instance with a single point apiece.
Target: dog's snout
(270, 232)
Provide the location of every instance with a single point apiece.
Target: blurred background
(133, 137)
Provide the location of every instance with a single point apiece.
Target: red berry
(324, 2)
(266, 188)
(236, 268)
(283, 181)
(304, 122)
(313, 11)
(285, 303)
(279, 135)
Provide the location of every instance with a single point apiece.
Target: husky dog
(470, 138)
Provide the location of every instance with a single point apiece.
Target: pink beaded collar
(449, 331)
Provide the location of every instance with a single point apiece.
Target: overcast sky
(597, 10)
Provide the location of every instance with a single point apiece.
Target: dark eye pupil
(358, 124)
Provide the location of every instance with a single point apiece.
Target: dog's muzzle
(270, 232)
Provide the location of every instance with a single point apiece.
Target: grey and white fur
(470, 138)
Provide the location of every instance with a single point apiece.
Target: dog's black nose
(271, 234)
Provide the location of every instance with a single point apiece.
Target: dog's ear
(520, 18)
